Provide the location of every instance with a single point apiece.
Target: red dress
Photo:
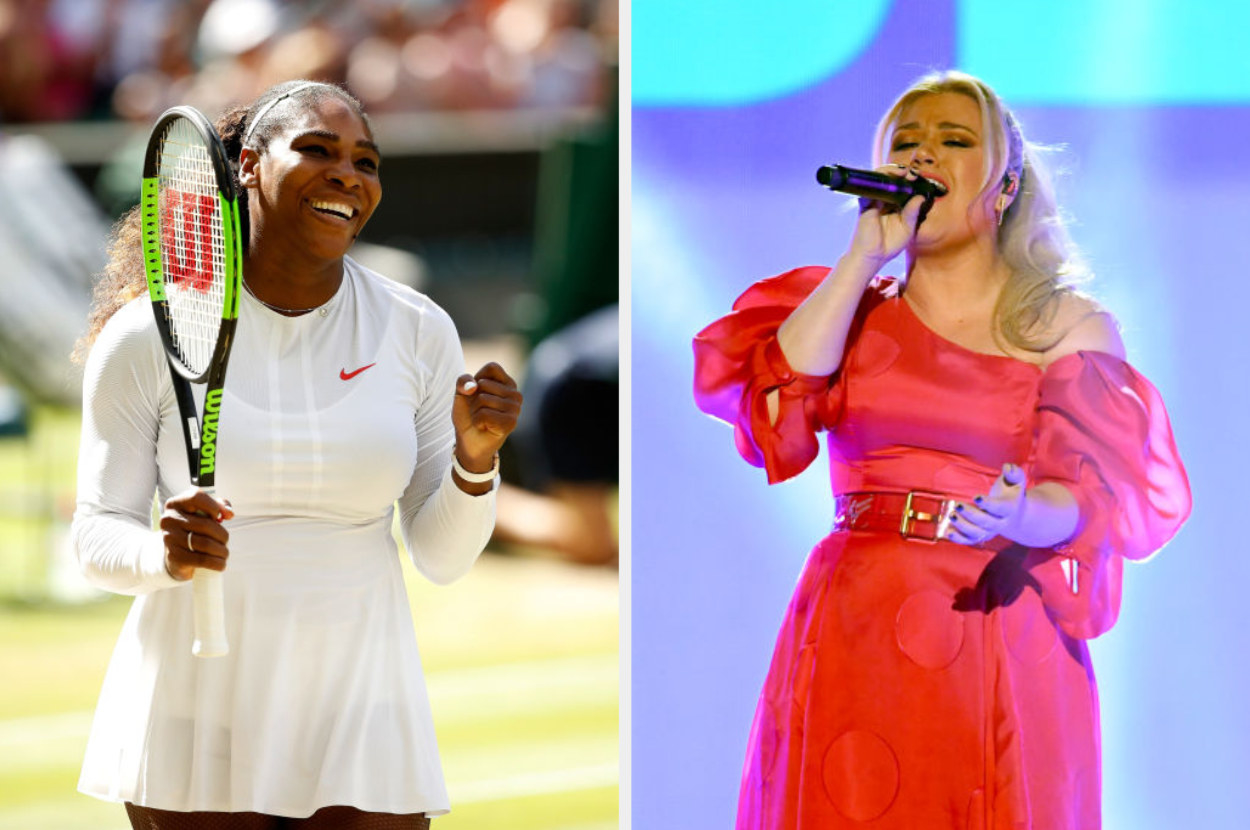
(920, 685)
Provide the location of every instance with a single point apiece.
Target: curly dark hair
(124, 277)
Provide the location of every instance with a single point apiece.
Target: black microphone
(869, 184)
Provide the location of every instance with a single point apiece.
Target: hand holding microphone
(889, 213)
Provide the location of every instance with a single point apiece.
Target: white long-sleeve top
(328, 420)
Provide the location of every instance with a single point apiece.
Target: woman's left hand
(484, 412)
(992, 514)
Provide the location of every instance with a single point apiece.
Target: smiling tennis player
(346, 396)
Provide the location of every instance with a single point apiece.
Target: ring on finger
(190, 544)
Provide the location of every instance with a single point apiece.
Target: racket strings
(193, 247)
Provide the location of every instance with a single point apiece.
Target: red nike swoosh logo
(346, 375)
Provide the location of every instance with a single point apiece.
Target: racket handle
(210, 615)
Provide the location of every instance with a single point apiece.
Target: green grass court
(521, 661)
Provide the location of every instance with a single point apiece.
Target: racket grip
(210, 615)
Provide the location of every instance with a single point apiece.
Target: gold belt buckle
(940, 520)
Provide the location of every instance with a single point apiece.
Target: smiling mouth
(338, 209)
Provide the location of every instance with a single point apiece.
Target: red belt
(914, 515)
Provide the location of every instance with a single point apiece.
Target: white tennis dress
(328, 420)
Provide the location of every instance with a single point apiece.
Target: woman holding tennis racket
(345, 397)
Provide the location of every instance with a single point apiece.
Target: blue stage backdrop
(735, 106)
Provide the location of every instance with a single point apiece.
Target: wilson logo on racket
(208, 437)
(187, 237)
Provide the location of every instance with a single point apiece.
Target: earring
(1000, 207)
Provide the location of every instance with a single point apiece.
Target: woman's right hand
(813, 337)
(192, 530)
(883, 230)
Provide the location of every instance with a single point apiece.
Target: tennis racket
(193, 254)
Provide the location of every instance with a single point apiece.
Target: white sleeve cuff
(450, 530)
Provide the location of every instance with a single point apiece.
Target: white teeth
(346, 211)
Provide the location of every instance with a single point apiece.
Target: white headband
(258, 117)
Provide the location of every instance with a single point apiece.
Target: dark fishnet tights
(327, 818)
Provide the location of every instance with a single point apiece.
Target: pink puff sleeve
(1103, 432)
(737, 363)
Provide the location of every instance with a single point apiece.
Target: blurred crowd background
(131, 59)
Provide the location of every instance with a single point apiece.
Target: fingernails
(470, 386)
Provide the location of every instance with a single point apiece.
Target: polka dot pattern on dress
(1029, 633)
(861, 775)
(929, 630)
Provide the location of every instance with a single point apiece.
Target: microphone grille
(829, 176)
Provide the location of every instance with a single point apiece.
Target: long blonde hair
(1033, 237)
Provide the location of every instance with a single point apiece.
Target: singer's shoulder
(1080, 323)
